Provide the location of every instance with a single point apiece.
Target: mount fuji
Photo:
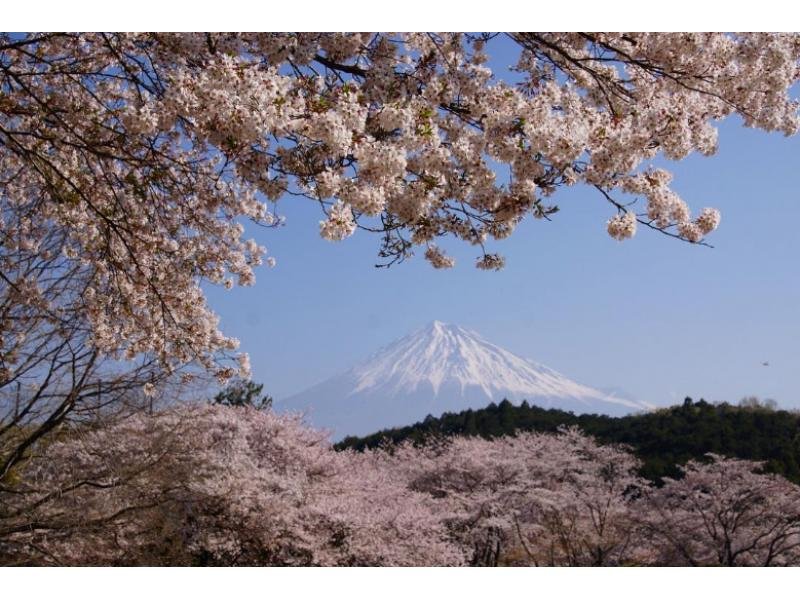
(441, 368)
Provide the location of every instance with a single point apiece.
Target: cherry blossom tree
(129, 163)
(724, 513)
(535, 499)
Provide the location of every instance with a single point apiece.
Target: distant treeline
(662, 439)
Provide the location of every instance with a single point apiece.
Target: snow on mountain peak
(444, 353)
(438, 368)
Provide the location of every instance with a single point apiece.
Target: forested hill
(662, 439)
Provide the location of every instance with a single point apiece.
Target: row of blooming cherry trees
(129, 162)
(223, 485)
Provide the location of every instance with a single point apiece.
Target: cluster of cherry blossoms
(437, 258)
(340, 223)
(150, 150)
(210, 484)
(622, 226)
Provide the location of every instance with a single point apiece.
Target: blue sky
(656, 317)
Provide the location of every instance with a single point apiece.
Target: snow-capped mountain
(440, 368)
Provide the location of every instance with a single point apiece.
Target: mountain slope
(437, 369)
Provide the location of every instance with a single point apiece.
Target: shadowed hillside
(662, 439)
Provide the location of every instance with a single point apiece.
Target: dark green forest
(662, 439)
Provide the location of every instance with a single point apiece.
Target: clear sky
(654, 316)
